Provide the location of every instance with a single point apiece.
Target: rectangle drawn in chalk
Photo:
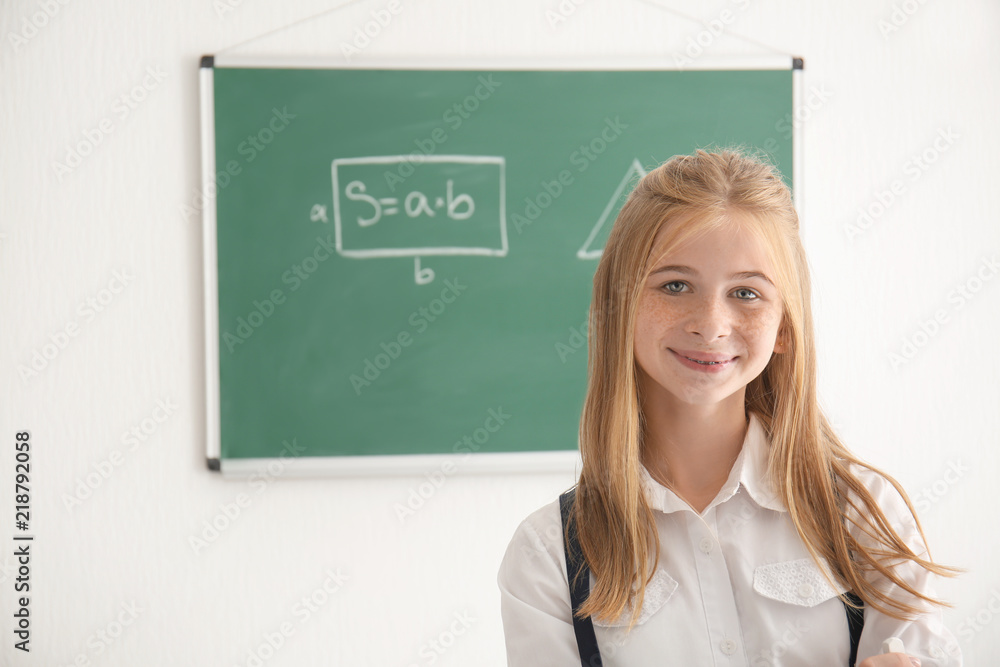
(447, 205)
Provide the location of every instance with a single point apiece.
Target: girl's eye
(743, 293)
(674, 282)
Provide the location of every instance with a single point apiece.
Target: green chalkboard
(404, 257)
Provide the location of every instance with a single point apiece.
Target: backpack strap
(586, 640)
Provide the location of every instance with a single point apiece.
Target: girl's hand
(890, 660)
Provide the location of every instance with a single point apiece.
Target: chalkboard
(399, 261)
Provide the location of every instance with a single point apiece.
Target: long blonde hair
(807, 462)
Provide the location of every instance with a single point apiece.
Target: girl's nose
(709, 318)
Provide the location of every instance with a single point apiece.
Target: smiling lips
(694, 355)
(703, 361)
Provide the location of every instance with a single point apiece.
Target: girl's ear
(781, 342)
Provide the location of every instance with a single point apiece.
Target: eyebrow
(742, 275)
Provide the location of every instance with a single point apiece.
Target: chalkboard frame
(493, 463)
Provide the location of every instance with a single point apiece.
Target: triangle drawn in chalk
(635, 171)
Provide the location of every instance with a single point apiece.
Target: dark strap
(855, 622)
(586, 640)
(855, 616)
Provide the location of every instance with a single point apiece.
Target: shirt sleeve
(925, 637)
(534, 595)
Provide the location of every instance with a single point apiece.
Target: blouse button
(805, 591)
(706, 545)
(728, 646)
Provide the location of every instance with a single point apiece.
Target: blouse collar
(749, 472)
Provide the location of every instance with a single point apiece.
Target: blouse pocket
(799, 582)
(660, 589)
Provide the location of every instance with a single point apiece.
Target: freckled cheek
(759, 328)
(655, 321)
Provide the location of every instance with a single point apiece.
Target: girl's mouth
(704, 366)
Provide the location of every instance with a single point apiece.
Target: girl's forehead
(717, 243)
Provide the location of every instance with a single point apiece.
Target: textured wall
(101, 277)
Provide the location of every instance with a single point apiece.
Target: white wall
(65, 236)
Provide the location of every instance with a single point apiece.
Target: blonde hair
(807, 463)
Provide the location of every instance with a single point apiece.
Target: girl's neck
(692, 449)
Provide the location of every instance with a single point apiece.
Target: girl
(719, 519)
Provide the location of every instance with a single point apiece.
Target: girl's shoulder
(889, 501)
(878, 484)
(537, 542)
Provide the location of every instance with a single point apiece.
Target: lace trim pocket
(660, 589)
(797, 582)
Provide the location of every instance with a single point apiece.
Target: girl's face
(711, 299)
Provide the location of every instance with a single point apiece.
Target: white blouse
(734, 586)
